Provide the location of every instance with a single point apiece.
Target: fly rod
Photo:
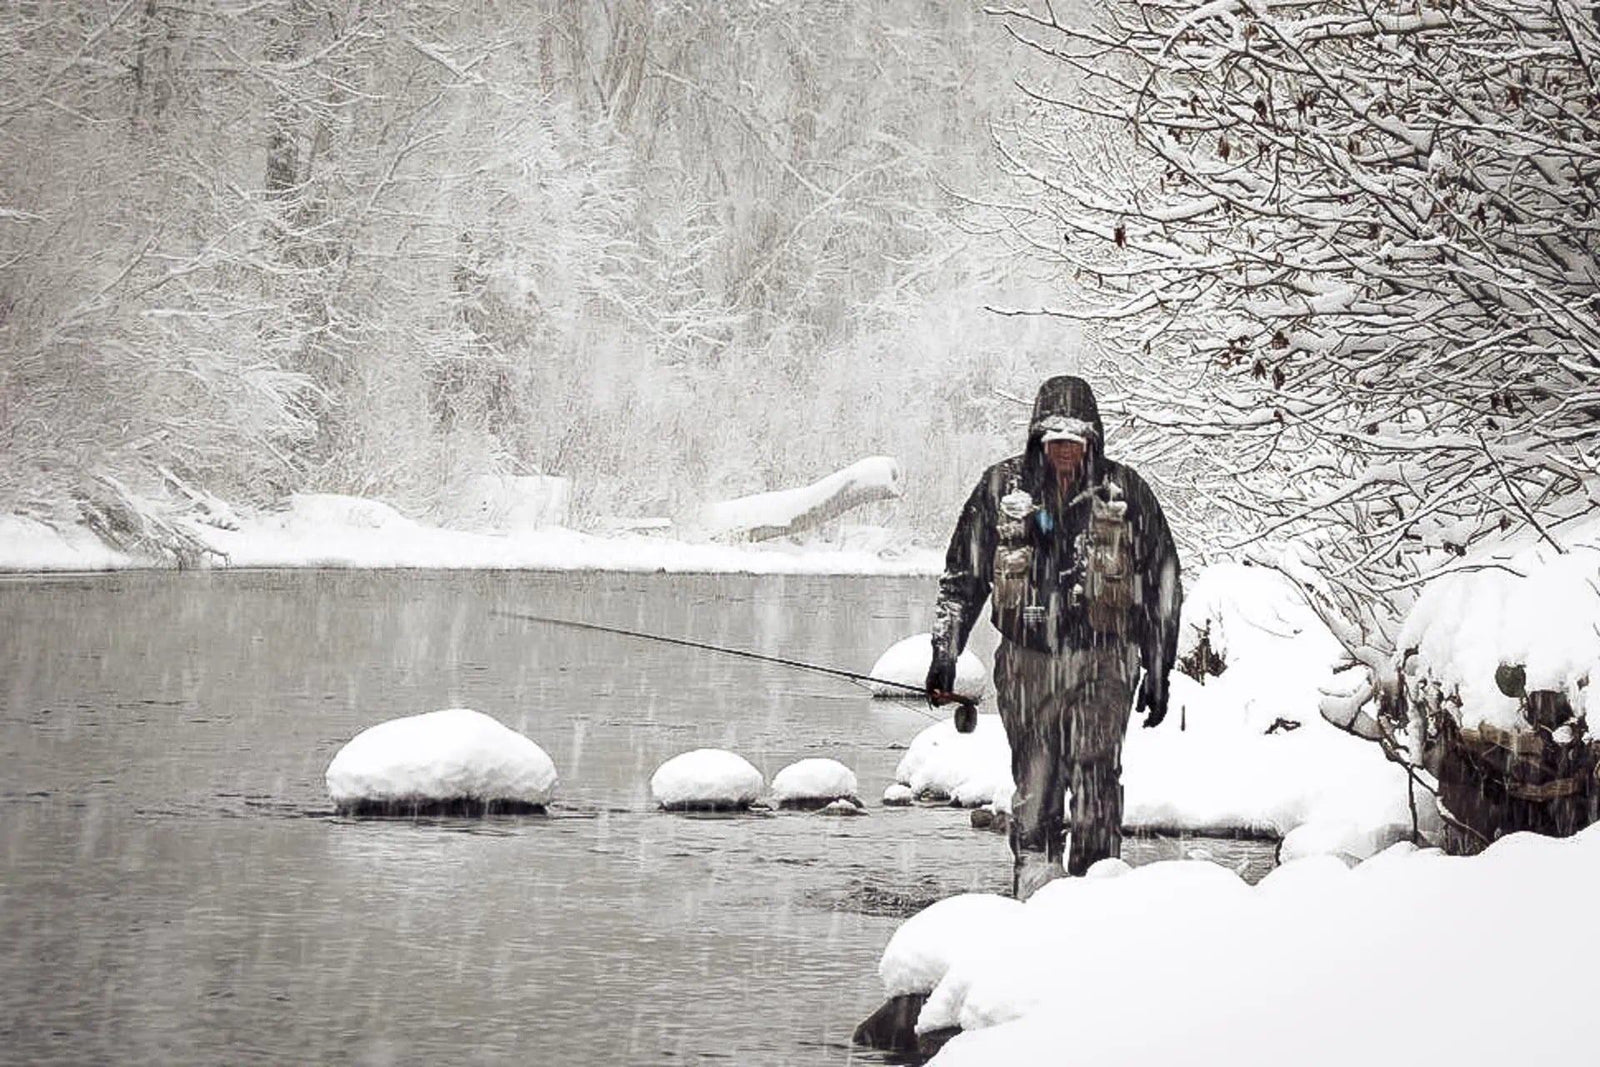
(966, 714)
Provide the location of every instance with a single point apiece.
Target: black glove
(941, 678)
(1153, 698)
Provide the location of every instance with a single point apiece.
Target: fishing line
(836, 672)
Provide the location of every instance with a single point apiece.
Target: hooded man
(1083, 573)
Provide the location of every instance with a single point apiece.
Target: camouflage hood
(1065, 404)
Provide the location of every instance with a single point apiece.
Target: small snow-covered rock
(898, 795)
(813, 781)
(907, 662)
(456, 759)
(843, 806)
(707, 779)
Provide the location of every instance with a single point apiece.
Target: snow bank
(1530, 607)
(455, 756)
(29, 545)
(814, 781)
(328, 530)
(907, 662)
(705, 779)
(1213, 765)
(1393, 961)
(920, 952)
(967, 768)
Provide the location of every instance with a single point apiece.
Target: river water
(175, 888)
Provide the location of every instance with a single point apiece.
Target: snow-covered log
(782, 512)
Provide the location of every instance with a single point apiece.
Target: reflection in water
(175, 888)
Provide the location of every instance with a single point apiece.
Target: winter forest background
(675, 252)
(1331, 265)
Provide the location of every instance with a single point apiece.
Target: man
(1084, 576)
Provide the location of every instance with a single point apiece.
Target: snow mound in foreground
(456, 758)
(907, 662)
(966, 768)
(814, 781)
(710, 779)
(1190, 960)
(920, 952)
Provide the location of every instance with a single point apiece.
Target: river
(175, 888)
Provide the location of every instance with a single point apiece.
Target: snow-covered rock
(920, 951)
(843, 806)
(706, 779)
(1189, 960)
(898, 795)
(457, 758)
(907, 662)
(966, 768)
(813, 781)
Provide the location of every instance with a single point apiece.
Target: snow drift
(1182, 962)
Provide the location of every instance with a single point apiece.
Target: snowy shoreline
(348, 533)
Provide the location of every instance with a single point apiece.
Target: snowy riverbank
(1243, 749)
(348, 532)
(1182, 962)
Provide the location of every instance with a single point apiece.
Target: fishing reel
(966, 717)
(966, 713)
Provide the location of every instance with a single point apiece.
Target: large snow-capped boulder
(456, 760)
(813, 782)
(966, 768)
(907, 662)
(707, 779)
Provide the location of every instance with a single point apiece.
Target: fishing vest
(1106, 592)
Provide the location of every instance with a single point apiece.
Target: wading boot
(1032, 870)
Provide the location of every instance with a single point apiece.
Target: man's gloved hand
(941, 678)
(1153, 698)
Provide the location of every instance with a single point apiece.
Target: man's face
(1066, 457)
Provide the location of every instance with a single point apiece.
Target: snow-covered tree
(1353, 247)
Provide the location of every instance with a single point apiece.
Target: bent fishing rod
(966, 713)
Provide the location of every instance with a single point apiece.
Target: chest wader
(1065, 713)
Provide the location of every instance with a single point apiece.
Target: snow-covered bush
(1363, 320)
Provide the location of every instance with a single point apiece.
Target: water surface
(175, 888)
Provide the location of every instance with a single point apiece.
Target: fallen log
(784, 512)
